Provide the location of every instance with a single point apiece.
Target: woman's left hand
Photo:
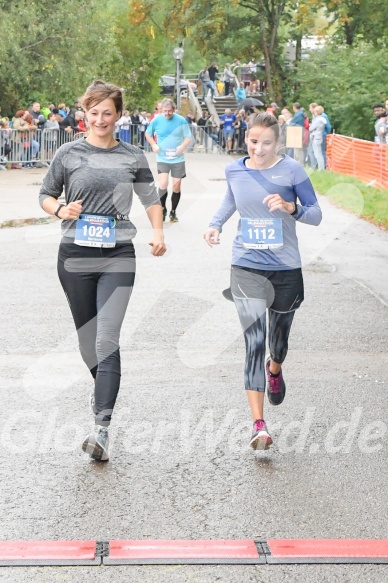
(276, 203)
(158, 246)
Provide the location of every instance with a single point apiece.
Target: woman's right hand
(212, 237)
(71, 211)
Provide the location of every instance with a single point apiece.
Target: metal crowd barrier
(29, 148)
(205, 140)
(134, 136)
(36, 148)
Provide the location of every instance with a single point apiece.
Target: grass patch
(351, 194)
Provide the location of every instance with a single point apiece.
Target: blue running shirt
(170, 133)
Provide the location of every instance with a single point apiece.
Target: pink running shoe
(260, 439)
(276, 387)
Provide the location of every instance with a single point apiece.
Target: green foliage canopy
(51, 50)
(347, 81)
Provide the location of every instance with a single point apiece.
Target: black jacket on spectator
(213, 73)
(39, 118)
(69, 121)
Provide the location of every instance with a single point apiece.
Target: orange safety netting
(366, 161)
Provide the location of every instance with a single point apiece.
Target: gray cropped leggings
(253, 291)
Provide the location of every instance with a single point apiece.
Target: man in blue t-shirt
(227, 124)
(174, 135)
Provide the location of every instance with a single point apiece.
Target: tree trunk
(273, 73)
(349, 33)
(298, 49)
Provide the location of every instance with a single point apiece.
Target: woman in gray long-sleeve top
(96, 261)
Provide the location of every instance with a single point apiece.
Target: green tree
(141, 54)
(51, 50)
(347, 82)
(48, 50)
(245, 29)
(358, 20)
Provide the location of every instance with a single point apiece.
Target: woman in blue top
(270, 193)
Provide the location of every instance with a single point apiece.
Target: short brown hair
(100, 90)
(264, 120)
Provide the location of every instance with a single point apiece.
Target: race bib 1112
(262, 233)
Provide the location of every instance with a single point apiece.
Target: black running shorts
(282, 290)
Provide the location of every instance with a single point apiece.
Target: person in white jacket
(124, 124)
(228, 78)
(316, 130)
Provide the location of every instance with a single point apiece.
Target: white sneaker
(97, 444)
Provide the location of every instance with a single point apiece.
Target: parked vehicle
(167, 85)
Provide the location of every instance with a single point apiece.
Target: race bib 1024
(262, 233)
(95, 231)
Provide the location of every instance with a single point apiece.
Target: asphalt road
(180, 462)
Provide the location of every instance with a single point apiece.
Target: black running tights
(98, 284)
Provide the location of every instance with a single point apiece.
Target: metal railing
(34, 148)
(215, 141)
(29, 148)
(203, 142)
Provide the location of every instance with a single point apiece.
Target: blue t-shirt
(245, 193)
(228, 122)
(240, 93)
(170, 133)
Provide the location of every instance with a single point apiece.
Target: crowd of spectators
(60, 123)
(37, 130)
(229, 131)
(243, 78)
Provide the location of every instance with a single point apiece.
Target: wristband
(296, 210)
(58, 209)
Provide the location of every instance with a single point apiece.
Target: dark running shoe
(97, 443)
(164, 213)
(260, 439)
(276, 387)
(173, 217)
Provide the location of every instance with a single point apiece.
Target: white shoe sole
(262, 441)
